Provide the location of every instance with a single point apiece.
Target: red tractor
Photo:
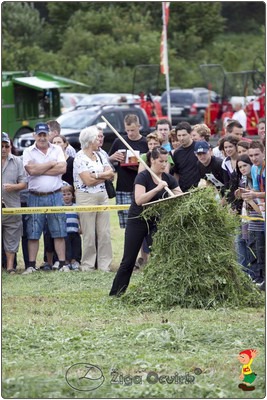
(145, 84)
(249, 86)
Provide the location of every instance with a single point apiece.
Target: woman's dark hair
(243, 144)
(62, 137)
(244, 158)
(234, 184)
(236, 204)
(229, 138)
(14, 150)
(155, 153)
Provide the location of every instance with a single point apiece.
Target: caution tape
(81, 209)
(252, 218)
(63, 209)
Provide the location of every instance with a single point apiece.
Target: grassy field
(51, 322)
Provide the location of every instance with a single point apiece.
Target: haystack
(193, 260)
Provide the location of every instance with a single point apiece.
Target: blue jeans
(36, 222)
(242, 251)
(256, 244)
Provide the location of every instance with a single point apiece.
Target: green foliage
(100, 43)
(21, 21)
(251, 16)
(192, 264)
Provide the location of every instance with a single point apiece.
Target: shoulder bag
(109, 185)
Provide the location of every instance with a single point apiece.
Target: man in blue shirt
(257, 232)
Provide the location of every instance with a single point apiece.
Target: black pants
(73, 246)
(135, 232)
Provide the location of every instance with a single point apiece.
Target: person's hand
(241, 377)
(8, 187)
(161, 185)
(238, 193)
(254, 353)
(117, 156)
(250, 195)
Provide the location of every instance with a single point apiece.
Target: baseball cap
(41, 128)
(5, 137)
(202, 147)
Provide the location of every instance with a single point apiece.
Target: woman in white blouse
(89, 174)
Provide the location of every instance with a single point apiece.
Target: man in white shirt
(45, 163)
(54, 130)
(240, 115)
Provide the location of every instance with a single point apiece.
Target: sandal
(11, 271)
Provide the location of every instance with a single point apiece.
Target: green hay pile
(193, 261)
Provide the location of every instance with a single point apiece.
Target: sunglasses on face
(6, 146)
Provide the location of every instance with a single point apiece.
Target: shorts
(11, 232)
(123, 198)
(36, 222)
(250, 378)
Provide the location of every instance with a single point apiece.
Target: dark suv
(188, 104)
(74, 121)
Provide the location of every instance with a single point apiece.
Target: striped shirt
(72, 220)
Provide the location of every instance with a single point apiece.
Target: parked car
(69, 100)
(107, 98)
(74, 121)
(188, 104)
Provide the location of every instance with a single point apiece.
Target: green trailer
(29, 98)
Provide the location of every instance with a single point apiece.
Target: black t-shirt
(214, 168)
(68, 176)
(185, 165)
(126, 175)
(145, 179)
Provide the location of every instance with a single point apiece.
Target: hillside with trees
(100, 43)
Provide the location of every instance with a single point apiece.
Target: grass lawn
(51, 321)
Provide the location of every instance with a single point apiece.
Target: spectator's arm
(12, 187)
(58, 169)
(36, 169)
(94, 178)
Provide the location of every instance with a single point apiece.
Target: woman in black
(61, 141)
(146, 189)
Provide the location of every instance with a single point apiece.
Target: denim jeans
(242, 251)
(256, 244)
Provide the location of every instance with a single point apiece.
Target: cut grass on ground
(51, 321)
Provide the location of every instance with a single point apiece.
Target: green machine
(29, 98)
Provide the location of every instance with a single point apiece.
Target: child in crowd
(173, 139)
(200, 132)
(73, 239)
(154, 139)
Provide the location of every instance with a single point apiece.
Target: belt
(43, 193)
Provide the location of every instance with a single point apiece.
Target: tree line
(100, 43)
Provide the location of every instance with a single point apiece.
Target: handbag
(110, 189)
(109, 185)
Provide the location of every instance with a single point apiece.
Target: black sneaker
(261, 286)
(46, 267)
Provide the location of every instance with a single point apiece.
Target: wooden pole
(138, 157)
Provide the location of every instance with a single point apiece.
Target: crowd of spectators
(51, 173)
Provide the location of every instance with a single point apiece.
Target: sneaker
(29, 270)
(75, 266)
(46, 267)
(55, 266)
(65, 268)
(261, 285)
